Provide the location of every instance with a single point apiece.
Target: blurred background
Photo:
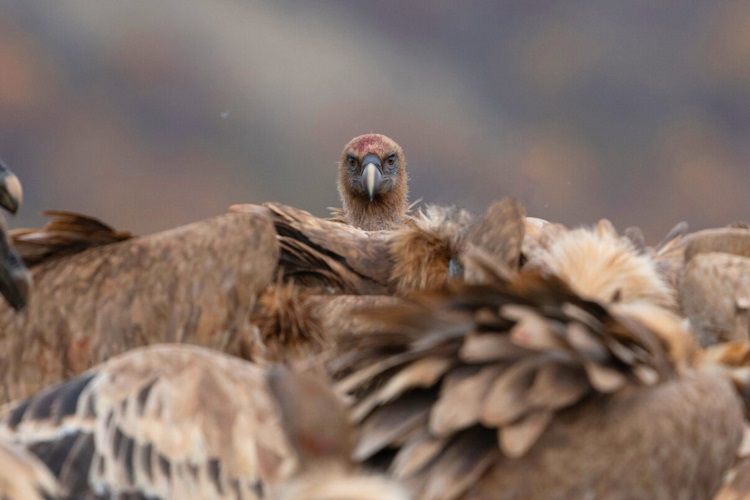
(154, 114)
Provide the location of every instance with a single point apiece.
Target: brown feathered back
(525, 390)
(195, 284)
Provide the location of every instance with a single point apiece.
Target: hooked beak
(15, 279)
(372, 176)
(11, 194)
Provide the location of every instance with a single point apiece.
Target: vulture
(194, 284)
(328, 270)
(15, 279)
(24, 477)
(372, 183)
(180, 421)
(11, 193)
(714, 285)
(421, 255)
(521, 388)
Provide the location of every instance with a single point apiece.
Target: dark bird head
(11, 194)
(15, 278)
(373, 182)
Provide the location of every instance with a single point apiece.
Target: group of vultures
(391, 351)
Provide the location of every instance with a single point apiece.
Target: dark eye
(351, 161)
(391, 160)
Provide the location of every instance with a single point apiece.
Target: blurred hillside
(153, 114)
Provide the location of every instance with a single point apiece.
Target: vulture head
(15, 279)
(373, 183)
(11, 194)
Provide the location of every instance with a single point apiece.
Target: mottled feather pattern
(186, 422)
(168, 424)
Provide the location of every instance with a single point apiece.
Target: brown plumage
(426, 252)
(194, 284)
(526, 390)
(714, 287)
(186, 422)
(372, 183)
(495, 242)
(25, 477)
(66, 234)
(297, 322)
(422, 254)
(325, 254)
(339, 258)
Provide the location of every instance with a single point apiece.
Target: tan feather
(600, 265)
(517, 438)
(481, 348)
(392, 422)
(416, 454)
(24, 477)
(461, 398)
(506, 400)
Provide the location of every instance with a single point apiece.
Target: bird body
(195, 284)
(178, 421)
(525, 390)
